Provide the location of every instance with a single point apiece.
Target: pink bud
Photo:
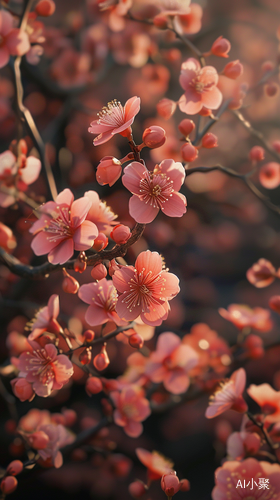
(99, 272)
(100, 242)
(184, 485)
(101, 360)
(120, 234)
(274, 303)
(136, 341)
(15, 468)
(93, 386)
(137, 489)
(269, 175)
(45, 8)
(186, 126)
(254, 344)
(276, 146)
(108, 171)
(166, 108)
(22, 389)
(70, 416)
(9, 484)
(221, 47)
(256, 153)
(161, 22)
(120, 465)
(154, 137)
(268, 66)
(205, 111)
(85, 356)
(271, 89)
(189, 152)
(38, 440)
(233, 69)
(69, 284)
(7, 239)
(80, 264)
(170, 484)
(89, 335)
(113, 267)
(209, 141)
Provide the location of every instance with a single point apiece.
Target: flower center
(41, 365)
(145, 291)
(59, 226)
(155, 189)
(112, 115)
(199, 86)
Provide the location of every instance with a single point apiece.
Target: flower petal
(140, 211)
(62, 252)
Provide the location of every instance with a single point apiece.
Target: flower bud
(256, 153)
(38, 440)
(170, 484)
(209, 141)
(205, 111)
(136, 341)
(22, 389)
(166, 108)
(269, 175)
(120, 465)
(186, 126)
(89, 335)
(154, 137)
(113, 267)
(120, 234)
(69, 284)
(99, 272)
(15, 468)
(101, 360)
(254, 344)
(80, 264)
(137, 489)
(100, 242)
(274, 303)
(233, 69)
(9, 484)
(221, 47)
(45, 8)
(184, 485)
(271, 89)
(7, 239)
(70, 416)
(85, 356)
(268, 66)
(108, 171)
(93, 385)
(189, 152)
(276, 146)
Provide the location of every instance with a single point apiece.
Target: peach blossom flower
(268, 399)
(229, 396)
(46, 319)
(145, 289)
(242, 444)
(45, 369)
(172, 7)
(108, 171)
(230, 479)
(190, 22)
(261, 274)
(156, 463)
(200, 85)
(62, 228)
(114, 119)
(171, 362)
(154, 191)
(71, 68)
(13, 40)
(131, 409)
(101, 215)
(243, 316)
(58, 437)
(269, 175)
(102, 298)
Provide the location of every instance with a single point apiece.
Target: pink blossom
(46, 319)
(243, 316)
(102, 299)
(71, 68)
(114, 119)
(101, 215)
(13, 40)
(156, 463)
(242, 444)
(131, 409)
(268, 399)
(200, 85)
(45, 369)
(22, 389)
(7, 239)
(229, 395)
(58, 437)
(108, 171)
(172, 7)
(171, 362)
(170, 484)
(63, 228)
(145, 289)
(231, 476)
(154, 191)
(190, 22)
(261, 274)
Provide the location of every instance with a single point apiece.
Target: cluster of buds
(9, 482)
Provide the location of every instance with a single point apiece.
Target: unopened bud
(186, 127)
(99, 272)
(137, 489)
(100, 242)
(276, 146)
(15, 468)
(120, 234)
(93, 386)
(274, 303)
(189, 152)
(166, 108)
(136, 341)
(45, 8)
(170, 484)
(209, 141)
(271, 89)
(101, 360)
(89, 335)
(233, 69)
(85, 356)
(254, 344)
(69, 284)
(184, 485)
(154, 137)
(205, 111)
(256, 153)
(8, 485)
(80, 264)
(221, 47)
(38, 440)
(269, 175)
(108, 171)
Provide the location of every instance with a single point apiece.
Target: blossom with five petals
(229, 395)
(131, 409)
(243, 316)
(46, 319)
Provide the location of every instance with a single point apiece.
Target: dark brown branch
(43, 271)
(85, 435)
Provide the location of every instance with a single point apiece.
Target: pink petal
(239, 378)
(122, 277)
(51, 350)
(31, 172)
(175, 171)
(41, 244)
(6, 22)
(43, 390)
(79, 210)
(63, 369)
(101, 138)
(209, 75)
(96, 128)
(212, 99)
(132, 107)
(133, 429)
(150, 261)
(189, 70)
(61, 253)
(4, 56)
(155, 371)
(185, 357)
(119, 418)
(132, 175)
(65, 197)
(175, 205)
(17, 42)
(140, 211)
(167, 343)
(88, 292)
(5, 199)
(53, 306)
(155, 316)
(215, 410)
(176, 381)
(171, 285)
(96, 316)
(190, 103)
(85, 235)
(124, 312)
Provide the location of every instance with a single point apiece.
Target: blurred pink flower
(7, 239)
(154, 191)
(242, 444)
(13, 40)
(114, 119)
(62, 228)
(145, 289)
(156, 463)
(102, 298)
(58, 437)
(71, 68)
(22, 389)
(172, 7)
(46, 319)
(261, 274)
(268, 399)
(171, 362)
(200, 85)
(131, 409)
(190, 22)
(230, 479)
(45, 369)
(243, 316)
(101, 215)
(229, 396)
